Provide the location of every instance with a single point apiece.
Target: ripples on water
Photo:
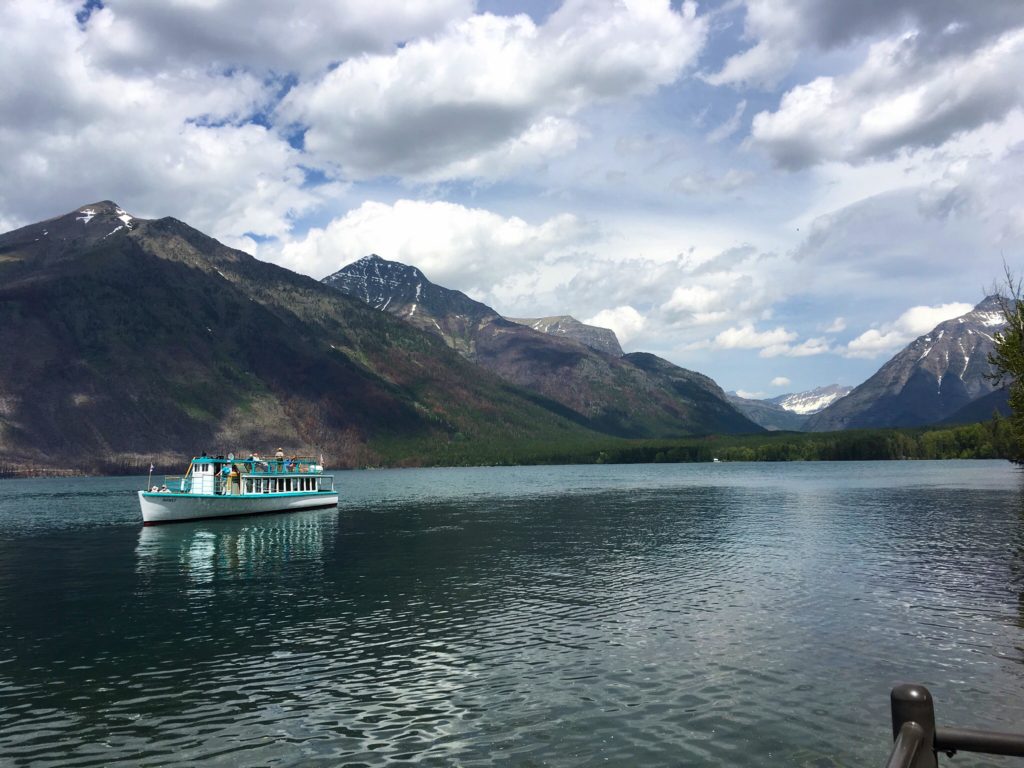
(658, 615)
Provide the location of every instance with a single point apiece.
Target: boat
(221, 486)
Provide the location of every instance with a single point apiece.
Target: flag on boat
(151, 467)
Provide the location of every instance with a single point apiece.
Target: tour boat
(229, 487)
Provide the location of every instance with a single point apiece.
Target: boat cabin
(209, 475)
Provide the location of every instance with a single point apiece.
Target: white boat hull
(179, 507)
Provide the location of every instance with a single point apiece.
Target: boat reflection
(235, 549)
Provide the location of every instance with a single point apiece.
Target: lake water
(725, 614)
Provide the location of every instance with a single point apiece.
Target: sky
(778, 193)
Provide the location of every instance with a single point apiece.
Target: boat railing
(277, 466)
(917, 741)
(177, 483)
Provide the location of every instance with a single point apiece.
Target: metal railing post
(913, 727)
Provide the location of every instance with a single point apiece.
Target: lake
(700, 614)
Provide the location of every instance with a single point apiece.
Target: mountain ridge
(611, 393)
(929, 380)
(595, 337)
(126, 345)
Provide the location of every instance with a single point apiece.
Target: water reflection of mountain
(235, 549)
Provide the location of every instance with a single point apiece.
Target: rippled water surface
(727, 614)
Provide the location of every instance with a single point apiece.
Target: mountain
(812, 401)
(982, 409)
(626, 396)
(933, 378)
(790, 411)
(768, 414)
(405, 292)
(601, 339)
(129, 340)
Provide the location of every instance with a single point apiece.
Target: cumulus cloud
(780, 29)
(746, 337)
(761, 65)
(780, 381)
(897, 99)
(774, 342)
(890, 337)
(471, 249)
(625, 321)
(262, 35)
(806, 348)
(440, 107)
(695, 299)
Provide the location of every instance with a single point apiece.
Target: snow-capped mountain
(790, 411)
(928, 381)
(51, 241)
(812, 401)
(403, 290)
(768, 414)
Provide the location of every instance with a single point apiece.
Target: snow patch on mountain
(812, 401)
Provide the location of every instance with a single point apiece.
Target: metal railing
(917, 740)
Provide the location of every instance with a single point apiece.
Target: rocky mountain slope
(935, 376)
(128, 340)
(601, 339)
(625, 396)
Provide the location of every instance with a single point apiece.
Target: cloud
(625, 321)
(780, 381)
(471, 249)
(891, 337)
(837, 325)
(762, 65)
(776, 342)
(806, 348)
(747, 395)
(730, 126)
(703, 182)
(444, 107)
(898, 99)
(157, 36)
(746, 337)
(923, 242)
(781, 29)
(695, 299)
